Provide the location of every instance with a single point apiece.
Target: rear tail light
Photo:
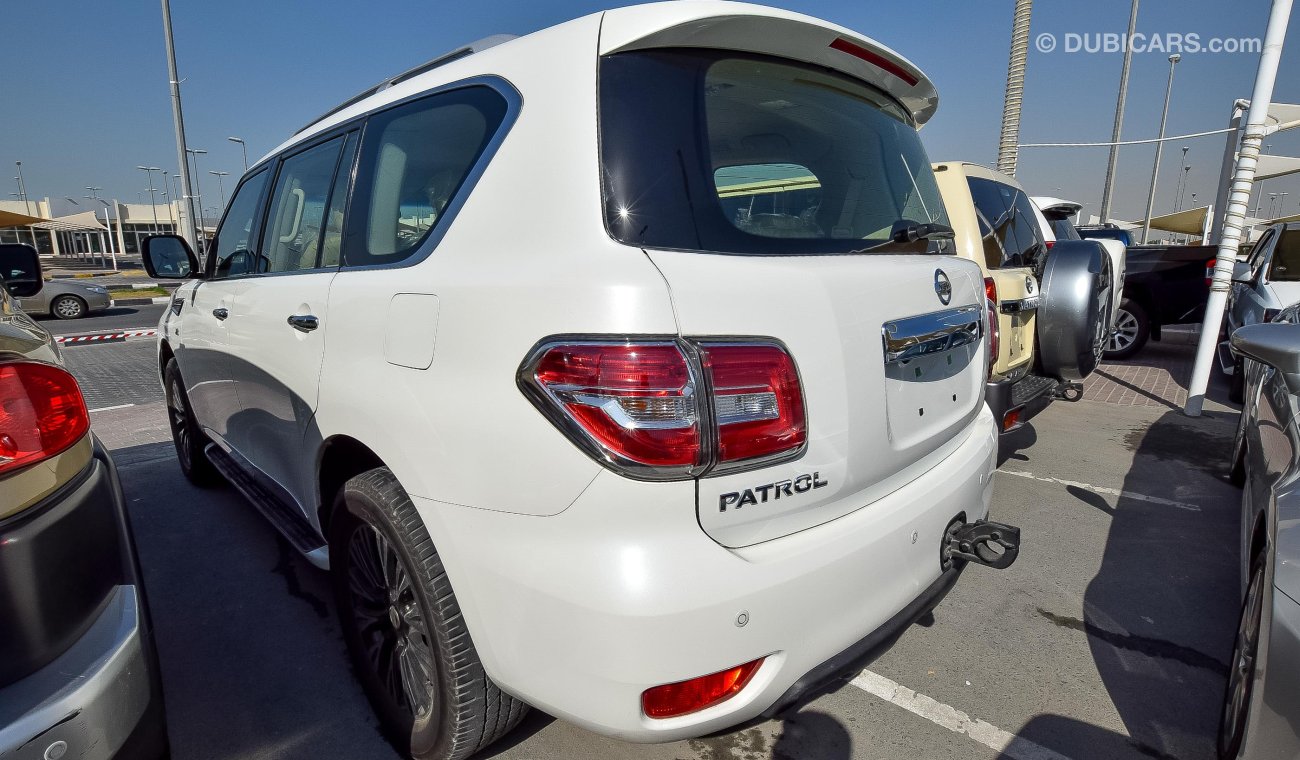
(991, 309)
(1049, 244)
(42, 413)
(671, 700)
(642, 408)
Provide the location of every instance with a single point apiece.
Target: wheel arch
(341, 458)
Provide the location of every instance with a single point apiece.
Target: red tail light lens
(1209, 271)
(42, 413)
(636, 406)
(636, 401)
(995, 337)
(757, 400)
(671, 700)
(1049, 244)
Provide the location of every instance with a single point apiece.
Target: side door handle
(303, 322)
(221, 312)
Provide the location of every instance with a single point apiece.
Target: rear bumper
(1029, 395)
(88, 675)
(579, 613)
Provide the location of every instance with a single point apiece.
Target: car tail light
(42, 413)
(757, 400)
(1011, 419)
(1049, 244)
(671, 700)
(1209, 271)
(640, 407)
(995, 337)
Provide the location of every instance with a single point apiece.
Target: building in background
(85, 228)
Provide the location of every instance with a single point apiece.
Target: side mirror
(168, 257)
(1241, 272)
(20, 270)
(1276, 344)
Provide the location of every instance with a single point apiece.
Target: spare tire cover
(1074, 314)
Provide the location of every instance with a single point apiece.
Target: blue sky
(85, 98)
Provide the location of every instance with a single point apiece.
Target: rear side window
(414, 159)
(720, 152)
(1064, 230)
(1011, 215)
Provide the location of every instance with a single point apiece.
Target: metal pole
(1160, 146)
(22, 190)
(198, 188)
(1225, 171)
(244, 148)
(1182, 175)
(220, 187)
(177, 116)
(1244, 177)
(1109, 188)
(1008, 143)
(153, 203)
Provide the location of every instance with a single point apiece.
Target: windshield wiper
(907, 233)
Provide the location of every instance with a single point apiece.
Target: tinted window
(1064, 230)
(414, 159)
(295, 220)
(233, 250)
(995, 221)
(332, 242)
(711, 151)
(1286, 257)
(1259, 251)
(1011, 215)
(1028, 232)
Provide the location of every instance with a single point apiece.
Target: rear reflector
(991, 308)
(1209, 271)
(1011, 419)
(682, 698)
(42, 413)
(875, 59)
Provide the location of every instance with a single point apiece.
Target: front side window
(233, 250)
(721, 152)
(1286, 257)
(1258, 253)
(414, 159)
(296, 219)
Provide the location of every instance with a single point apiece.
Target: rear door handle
(221, 312)
(303, 322)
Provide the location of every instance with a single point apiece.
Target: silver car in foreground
(67, 299)
(1263, 694)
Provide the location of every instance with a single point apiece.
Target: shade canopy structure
(1189, 222)
(12, 219)
(83, 222)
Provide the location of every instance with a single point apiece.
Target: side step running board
(285, 517)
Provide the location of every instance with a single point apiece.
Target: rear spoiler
(757, 29)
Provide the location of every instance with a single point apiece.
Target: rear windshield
(1286, 257)
(1064, 230)
(721, 152)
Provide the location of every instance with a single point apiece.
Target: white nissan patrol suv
(620, 370)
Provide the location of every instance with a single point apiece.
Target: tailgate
(873, 424)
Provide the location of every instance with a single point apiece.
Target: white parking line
(109, 408)
(1010, 745)
(1107, 491)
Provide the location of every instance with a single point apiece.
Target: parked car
(66, 299)
(604, 443)
(1107, 231)
(1163, 285)
(1055, 216)
(1262, 697)
(79, 673)
(1262, 285)
(1033, 291)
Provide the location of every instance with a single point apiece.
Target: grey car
(67, 299)
(1267, 281)
(1261, 711)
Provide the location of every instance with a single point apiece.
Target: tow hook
(1069, 391)
(983, 542)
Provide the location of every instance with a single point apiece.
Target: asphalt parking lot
(1109, 638)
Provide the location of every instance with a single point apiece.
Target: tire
(1237, 382)
(1241, 669)
(68, 307)
(1131, 332)
(187, 436)
(402, 623)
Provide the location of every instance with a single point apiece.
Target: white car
(1054, 219)
(617, 370)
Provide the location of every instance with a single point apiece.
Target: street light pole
(1109, 188)
(243, 147)
(153, 206)
(198, 189)
(22, 187)
(1155, 169)
(177, 116)
(220, 188)
(1178, 191)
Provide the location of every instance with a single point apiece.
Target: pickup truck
(1164, 285)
